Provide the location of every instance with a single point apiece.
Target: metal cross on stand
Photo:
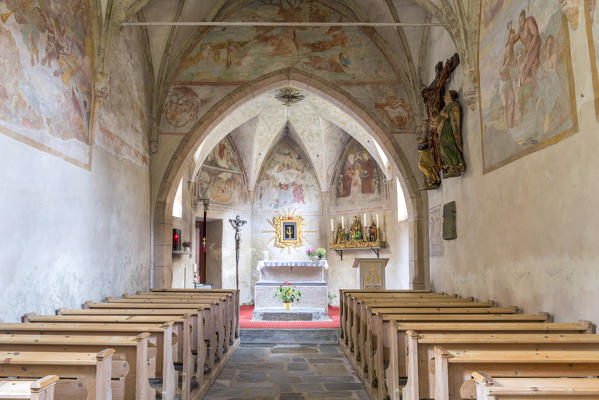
(237, 223)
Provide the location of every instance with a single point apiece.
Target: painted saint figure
(506, 81)
(348, 174)
(450, 137)
(367, 173)
(528, 34)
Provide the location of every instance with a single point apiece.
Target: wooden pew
(489, 388)
(344, 296)
(212, 329)
(347, 305)
(420, 348)
(91, 370)
(161, 336)
(358, 312)
(131, 353)
(41, 389)
(181, 327)
(201, 329)
(378, 325)
(453, 368)
(225, 303)
(232, 303)
(222, 329)
(363, 321)
(397, 350)
(234, 292)
(381, 321)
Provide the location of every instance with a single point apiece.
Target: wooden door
(200, 250)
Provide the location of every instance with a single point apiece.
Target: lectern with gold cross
(372, 272)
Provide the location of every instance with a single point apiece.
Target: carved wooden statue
(429, 147)
(450, 137)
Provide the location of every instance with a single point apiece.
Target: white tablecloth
(303, 263)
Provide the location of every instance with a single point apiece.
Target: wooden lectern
(372, 272)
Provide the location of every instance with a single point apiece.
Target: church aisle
(287, 372)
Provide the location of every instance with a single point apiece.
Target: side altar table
(307, 276)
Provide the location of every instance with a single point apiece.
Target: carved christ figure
(429, 153)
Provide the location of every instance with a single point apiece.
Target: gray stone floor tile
(287, 372)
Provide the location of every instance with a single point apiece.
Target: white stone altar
(307, 276)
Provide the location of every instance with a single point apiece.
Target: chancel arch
(348, 116)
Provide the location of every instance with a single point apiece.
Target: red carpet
(245, 321)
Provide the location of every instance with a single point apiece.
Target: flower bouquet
(316, 255)
(288, 293)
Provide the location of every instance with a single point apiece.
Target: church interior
(299, 199)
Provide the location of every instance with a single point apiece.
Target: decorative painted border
(592, 55)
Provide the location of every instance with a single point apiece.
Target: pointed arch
(294, 163)
(417, 203)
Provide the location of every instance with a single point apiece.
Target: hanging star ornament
(289, 96)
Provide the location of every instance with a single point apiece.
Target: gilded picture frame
(289, 230)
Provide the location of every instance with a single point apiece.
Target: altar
(307, 276)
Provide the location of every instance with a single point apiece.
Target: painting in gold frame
(288, 229)
(527, 97)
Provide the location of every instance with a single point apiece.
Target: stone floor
(287, 372)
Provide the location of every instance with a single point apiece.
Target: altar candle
(364, 220)
(342, 223)
(377, 220)
(266, 255)
(332, 226)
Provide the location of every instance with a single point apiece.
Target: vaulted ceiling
(167, 47)
(318, 126)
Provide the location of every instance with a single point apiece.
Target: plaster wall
(70, 234)
(527, 232)
(67, 234)
(214, 241)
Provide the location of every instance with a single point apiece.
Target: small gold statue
(372, 232)
(356, 229)
(340, 235)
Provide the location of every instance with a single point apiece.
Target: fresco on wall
(526, 84)
(592, 22)
(359, 180)
(121, 122)
(221, 179)
(184, 105)
(47, 75)
(287, 181)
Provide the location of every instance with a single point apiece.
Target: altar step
(289, 336)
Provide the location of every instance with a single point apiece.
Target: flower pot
(287, 306)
